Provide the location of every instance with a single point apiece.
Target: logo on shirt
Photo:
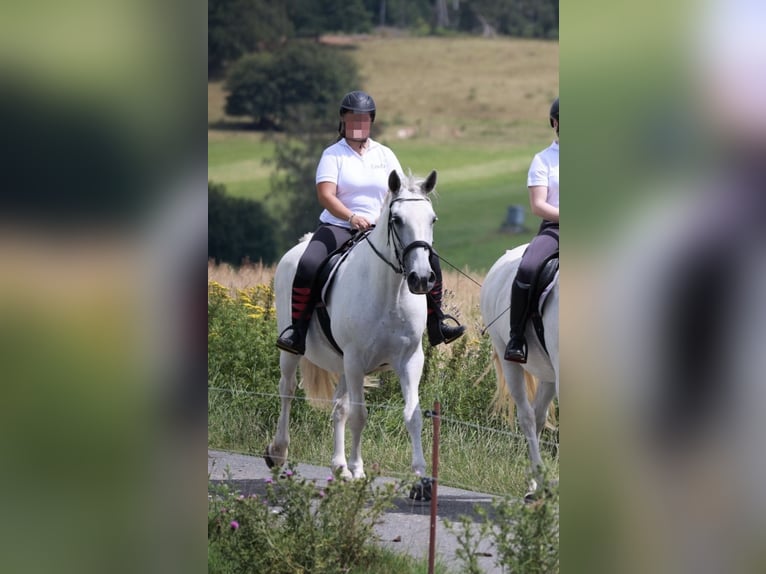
(378, 166)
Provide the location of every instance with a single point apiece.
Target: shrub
(296, 526)
(238, 229)
(525, 534)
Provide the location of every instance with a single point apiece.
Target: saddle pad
(544, 295)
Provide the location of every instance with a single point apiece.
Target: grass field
(474, 109)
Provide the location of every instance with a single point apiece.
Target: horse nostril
(432, 277)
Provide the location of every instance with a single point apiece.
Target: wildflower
(288, 473)
(322, 494)
(234, 524)
(330, 478)
(268, 480)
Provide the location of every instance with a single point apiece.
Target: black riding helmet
(356, 102)
(554, 111)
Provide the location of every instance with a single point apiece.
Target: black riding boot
(440, 332)
(302, 306)
(516, 350)
(293, 339)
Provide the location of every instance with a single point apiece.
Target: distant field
(474, 109)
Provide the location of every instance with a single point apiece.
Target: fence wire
(448, 420)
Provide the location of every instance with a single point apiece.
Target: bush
(238, 229)
(296, 526)
(298, 84)
(525, 534)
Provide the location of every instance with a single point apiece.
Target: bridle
(400, 251)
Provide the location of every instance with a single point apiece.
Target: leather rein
(400, 252)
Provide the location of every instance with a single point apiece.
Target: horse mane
(412, 183)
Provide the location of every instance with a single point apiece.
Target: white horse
(377, 309)
(542, 365)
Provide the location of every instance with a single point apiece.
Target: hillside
(474, 109)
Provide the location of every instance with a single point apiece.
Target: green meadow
(474, 109)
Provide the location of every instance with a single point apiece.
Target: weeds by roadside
(524, 534)
(297, 525)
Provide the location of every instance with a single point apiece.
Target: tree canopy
(300, 83)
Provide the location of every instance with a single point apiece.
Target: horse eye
(434, 220)
(396, 219)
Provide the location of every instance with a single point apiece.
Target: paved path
(406, 526)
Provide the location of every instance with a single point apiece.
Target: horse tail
(318, 384)
(502, 401)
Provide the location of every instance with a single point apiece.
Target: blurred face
(556, 127)
(357, 126)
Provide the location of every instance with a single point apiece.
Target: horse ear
(430, 183)
(394, 183)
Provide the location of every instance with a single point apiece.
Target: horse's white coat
(495, 300)
(376, 320)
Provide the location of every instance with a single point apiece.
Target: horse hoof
(530, 497)
(267, 457)
(345, 473)
(421, 490)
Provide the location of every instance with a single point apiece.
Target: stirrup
(514, 355)
(460, 329)
(289, 345)
(436, 335)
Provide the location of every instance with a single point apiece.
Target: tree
(238, 229)
(238, 27)
(293, 184)
(314, 17)
(300, 83)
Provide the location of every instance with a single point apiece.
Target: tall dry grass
(461, 294)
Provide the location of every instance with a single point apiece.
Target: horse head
(410, 229)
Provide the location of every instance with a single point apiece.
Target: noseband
(400, 251)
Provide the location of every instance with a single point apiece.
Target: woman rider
(352, 183)
(543, 184)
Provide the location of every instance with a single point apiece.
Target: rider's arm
(538, 199)
(328, 198)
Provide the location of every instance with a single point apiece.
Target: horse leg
(339, 417)
(514, 376)
(543, 397)
(409, 379)
(276, 452)
(357, 415)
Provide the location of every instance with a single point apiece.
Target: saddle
(539, 291)
(323, 282)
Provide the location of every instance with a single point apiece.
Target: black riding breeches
(326, 239)
(542, 246)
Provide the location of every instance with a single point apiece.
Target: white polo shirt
(544, 171)
(362, 180)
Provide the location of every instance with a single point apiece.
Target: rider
(543, 183)
(352, 183)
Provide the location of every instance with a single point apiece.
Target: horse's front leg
(276, 452)
(339, 417)
(357, 414)
(409, 373)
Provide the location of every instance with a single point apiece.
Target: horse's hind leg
(514, 376)
(339, 417)
(543, 397)
(276, 452)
